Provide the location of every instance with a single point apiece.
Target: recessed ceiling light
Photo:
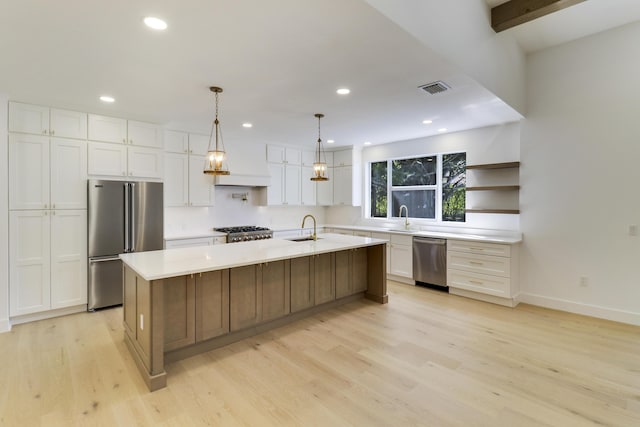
(442, 130)
(155, 23)
(107, 98)
(330, 141)
(247, 125)
(367, 143)
(343, 91)
(427, 122)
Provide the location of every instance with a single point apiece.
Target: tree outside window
(415, 182)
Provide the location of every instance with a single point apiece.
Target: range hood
(240, 180)
(247, 167)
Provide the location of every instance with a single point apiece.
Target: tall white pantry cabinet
(47, 203)
(52, 152)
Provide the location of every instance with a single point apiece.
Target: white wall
(460, 32)
(4, 215)
(580, 148)
(494, 144)
(229, 212)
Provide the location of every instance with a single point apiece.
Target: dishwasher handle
(430, 240)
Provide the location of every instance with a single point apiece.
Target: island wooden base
(170, 319)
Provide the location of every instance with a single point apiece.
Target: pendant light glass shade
(216, 161)
(320, 164)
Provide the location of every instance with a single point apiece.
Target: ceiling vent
(435, 87)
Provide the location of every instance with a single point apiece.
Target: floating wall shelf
(489, 167)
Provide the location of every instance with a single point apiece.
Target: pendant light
(216, 161)
(320, 164)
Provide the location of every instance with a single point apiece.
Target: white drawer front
(483, 264)
(482, 283)
(400, 239)
(480, 248)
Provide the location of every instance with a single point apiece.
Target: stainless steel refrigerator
(123, 217)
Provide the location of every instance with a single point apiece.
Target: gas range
(245, 233)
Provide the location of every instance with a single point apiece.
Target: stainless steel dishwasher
(430, 261)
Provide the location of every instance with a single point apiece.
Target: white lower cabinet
(486, 271)
(401, 256)
(48, 260)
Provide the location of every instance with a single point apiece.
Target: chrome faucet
(313, 236)
(406, 218)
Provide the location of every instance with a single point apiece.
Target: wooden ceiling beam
(516, 12)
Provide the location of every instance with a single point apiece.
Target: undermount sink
(400, 230)
(303, 239)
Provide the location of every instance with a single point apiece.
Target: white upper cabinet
(68, 174)
(307, 187)
(185, 184)
(144, 134)
(107, 159)
(176, 142)
(343, 185)
(68, 124)
(308, 158)
(198, 144)
(36, 119)
(28, 172)
(107, 129)
(201, 187)
(343, 158)
(286, 155)
(144, 162)
(176, 179)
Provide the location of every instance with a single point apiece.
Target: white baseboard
(579, 308)
(48, 314)
(5, 325)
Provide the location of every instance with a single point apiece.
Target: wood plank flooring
(426, 358)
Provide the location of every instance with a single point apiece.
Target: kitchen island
(181, 302)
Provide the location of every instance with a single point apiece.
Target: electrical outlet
(633, 230)
(584, 281)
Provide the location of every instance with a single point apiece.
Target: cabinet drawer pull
(476, 249)
(475, 282)
(475, 263)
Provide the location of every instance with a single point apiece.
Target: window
(432, 187)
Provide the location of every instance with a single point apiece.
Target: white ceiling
(278, 61)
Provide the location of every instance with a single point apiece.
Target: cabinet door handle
(131, 141)
(53, 206)
(53, 132)
(124, 140)
(44, 131)
(45, 213)
(45, 206)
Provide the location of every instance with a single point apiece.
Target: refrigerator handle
(132, 217)
(127, 244)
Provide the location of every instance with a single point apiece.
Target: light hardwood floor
(426, 358)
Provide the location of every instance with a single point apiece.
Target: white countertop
(508, 239)
(154, 265)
